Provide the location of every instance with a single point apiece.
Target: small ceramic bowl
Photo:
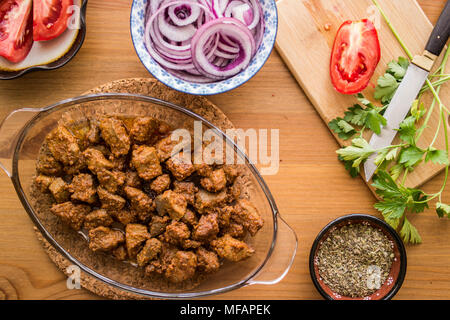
(398, 270)
(61, 61)
(137, 26)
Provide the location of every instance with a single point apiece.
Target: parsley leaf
(407, 130)
(354, 172)
(342, 128)
(437, 156)
(409, 233)
(398, 68)
(358, 152)
(375, 121)
(442, 209)
(389, 82)
(418, 110)
(411, 156)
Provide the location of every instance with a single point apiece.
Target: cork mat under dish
(153, 88)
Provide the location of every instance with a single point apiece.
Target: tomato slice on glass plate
(356, 53)
(50, 18)
(16, 34)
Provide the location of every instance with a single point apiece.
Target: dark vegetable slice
(50, 18)
(16, 36)
(355, 55)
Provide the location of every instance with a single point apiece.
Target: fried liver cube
(207, 228)
(182, 267)
(176, 233)
(190, 218)
(120, 253)
(231, 249)
(214, 182)
(149, 252)
(146, 162)
(83, 188)
(47, 164)
(132, 179)
(208, 261)
(96, 160)
(135, 236)
(115, 134)
(109, 200)
(104, 239)
(124, 216)
(187, 189)
(60, 190)
(165, 148)
(71, 214)
(179, 167)
(231, 172)
(246, 214)
(160, 184)
(171, 203)
(144, 128)
(158, 225)
(43, 182)
(205, 200)
(140, 202)
(111, 180)
(97, 218)
(63, 145)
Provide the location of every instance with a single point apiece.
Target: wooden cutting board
(305, 38)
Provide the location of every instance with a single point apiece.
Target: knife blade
(412, 83)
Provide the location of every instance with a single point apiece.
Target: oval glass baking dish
(21, 136)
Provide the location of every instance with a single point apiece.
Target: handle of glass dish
(283, 255)
(10, 128)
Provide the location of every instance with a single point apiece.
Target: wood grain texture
(311, 187)
(305, 45)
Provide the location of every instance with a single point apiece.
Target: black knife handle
(441, 32)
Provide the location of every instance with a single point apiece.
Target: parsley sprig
(395, 162)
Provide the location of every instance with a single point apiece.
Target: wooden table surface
(311, 188)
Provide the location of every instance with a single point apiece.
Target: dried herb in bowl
(354, 260)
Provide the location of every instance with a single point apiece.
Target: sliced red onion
(175, 33)
(243, 13)
(183, 15)
(232, 28)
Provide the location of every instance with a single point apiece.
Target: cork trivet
(153, 88)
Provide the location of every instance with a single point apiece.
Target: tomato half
(50, 18)
(356, 53)
(16, 34)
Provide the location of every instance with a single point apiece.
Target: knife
(412, 83)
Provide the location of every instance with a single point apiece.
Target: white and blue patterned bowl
(137, 26)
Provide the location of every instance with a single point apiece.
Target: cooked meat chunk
(208, 261)
(97, 218)
(187, 189)
(83, 188)
(93, 135)
(176, 233)
(234, 191)
(144, 128)
(224, 215)
(132, 179)
(246, 214)
(63, 145)
(179, 167)
(43, 182)
(203, 169)
(191, 244)
(146, 162)
(109, 200)
(231, 173)
(171, 203)
(190, 218)
(182, 267)
(77, 167)
(135, 235)
(231, 249)
(161, 183)
(96, 160)
(111, 180)
(205, 200)
(71, 214)
(119, 163)
(104, 239)
(165, 147)
(60, 190)
(207, 228)
(215, 182)
(47, 164)
(139, 200)
(158, 225)
(149, 252)
(115, 134)
(124, 216)
(120, 253)
(235, 230)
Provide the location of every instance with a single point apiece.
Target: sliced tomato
(356, 53)
(50, 18)
(16, 34)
